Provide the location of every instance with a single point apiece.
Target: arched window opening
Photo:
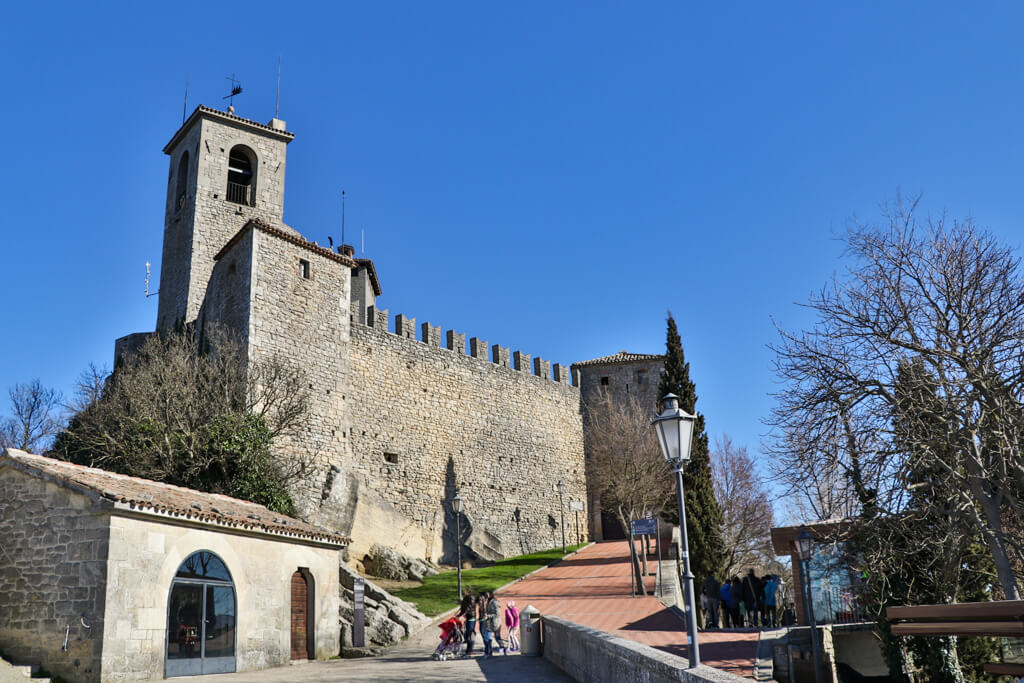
(201, 617)
(182, 187)
(241, 176)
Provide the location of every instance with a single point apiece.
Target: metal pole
(632, 564)
(809, 614)
(657, 543)
(458, 549)
(561, 511)
(691, 613)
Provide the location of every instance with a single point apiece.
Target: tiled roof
(374, 282)
(295, 238)
(167, 500)
(620, 357)
(218, 114)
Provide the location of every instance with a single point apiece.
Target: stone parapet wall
(426, 421)
(52, 585)
(587, 654)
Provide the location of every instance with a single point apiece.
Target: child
(512, 624)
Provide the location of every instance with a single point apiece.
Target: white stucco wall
(144, 556)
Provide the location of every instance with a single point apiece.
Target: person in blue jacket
(725, 592)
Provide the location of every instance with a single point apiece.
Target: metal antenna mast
(277, 100)
(184, 108)
(343, 216)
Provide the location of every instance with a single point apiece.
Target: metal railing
(837, 605)
(238, 193)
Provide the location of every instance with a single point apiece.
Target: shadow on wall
(517, 516)
(450, 539)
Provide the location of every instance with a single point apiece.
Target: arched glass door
(201, 618)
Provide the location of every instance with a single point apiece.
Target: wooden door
(299, 616)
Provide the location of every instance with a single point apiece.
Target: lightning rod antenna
(362, 250)
(343, 216)
(277, 100)
(184, 108)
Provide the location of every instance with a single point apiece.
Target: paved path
(408, 661)
(592, 588)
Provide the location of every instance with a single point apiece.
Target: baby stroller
(450, 646)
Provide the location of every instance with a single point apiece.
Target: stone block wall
(54, 544)
(144, 557)
(195, 233)
(636, 380)
(426, 420)
(306, 322)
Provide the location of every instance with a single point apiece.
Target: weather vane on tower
(236, 89)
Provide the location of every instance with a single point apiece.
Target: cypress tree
(703, 514)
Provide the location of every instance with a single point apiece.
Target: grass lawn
(440, 593)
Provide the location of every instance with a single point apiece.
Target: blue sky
(553, 177)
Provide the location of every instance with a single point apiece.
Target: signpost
(576, 506)
(359, 613)
(639, 527)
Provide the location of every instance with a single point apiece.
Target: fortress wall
(306, 321)
(426, 420)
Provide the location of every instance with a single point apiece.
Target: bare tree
(747, 516)
(185, 411)
(627, 468)
(35, 417)
(943, 294)
(88, 388)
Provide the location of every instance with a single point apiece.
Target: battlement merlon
(431, 335)
(273, 129)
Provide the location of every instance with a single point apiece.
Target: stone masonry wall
(145, 555)
(195, 234)
(426, 420)
(306, 321)
(636, 380)
(54, 544)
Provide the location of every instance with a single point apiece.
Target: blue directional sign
(641, 527)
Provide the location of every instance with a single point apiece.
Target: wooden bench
(1001, 619)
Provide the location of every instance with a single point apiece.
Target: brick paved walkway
(592, 588)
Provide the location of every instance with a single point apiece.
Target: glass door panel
(220, 630)
(185, 630)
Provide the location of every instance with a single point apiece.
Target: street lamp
(457, 506)
(561, 510)
(675, 435)
(804, 543)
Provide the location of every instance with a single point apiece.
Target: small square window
(304, 269)
(641, 377)
(604, 381)
(391, 458)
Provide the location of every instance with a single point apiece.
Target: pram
(450, 646)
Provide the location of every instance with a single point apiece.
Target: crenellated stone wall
(427, 420)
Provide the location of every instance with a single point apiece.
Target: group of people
(482, 611)
(742, 602)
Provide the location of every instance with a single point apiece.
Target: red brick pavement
(592, 588)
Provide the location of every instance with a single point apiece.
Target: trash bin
(529, 631)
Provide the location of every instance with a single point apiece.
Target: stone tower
(224, 170)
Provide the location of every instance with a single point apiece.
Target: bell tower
(224, 170)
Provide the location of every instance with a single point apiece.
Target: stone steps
(9, 673)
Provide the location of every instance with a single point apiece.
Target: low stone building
(105, 577)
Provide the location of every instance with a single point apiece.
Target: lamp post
(675, 435)
(561, 510)
(804, 545)
(457, 506)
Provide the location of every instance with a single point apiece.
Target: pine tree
(703, 514)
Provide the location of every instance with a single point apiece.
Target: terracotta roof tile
(620, 357)
(292, 237)
(151, 496)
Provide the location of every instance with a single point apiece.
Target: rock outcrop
(388, 563)
(388, 619)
